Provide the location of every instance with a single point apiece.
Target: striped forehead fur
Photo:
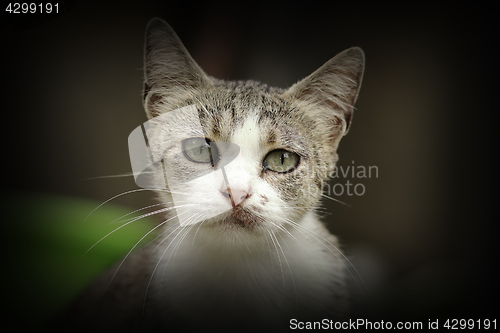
(309, 118)
(283, 121)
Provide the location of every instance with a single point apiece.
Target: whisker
(133, 247)
(322, 239)
(337, 200)
(289, 234)
(177, 192)
(288, 265)
(114, 197)
(144, 208)
(158, 263)
(133, 220)
(279, 260)
(196, 233)
(138, 210)
(270, 253)
(164, 232)
(188, 227)
(185, 231)
(128, 174)
(154, 270)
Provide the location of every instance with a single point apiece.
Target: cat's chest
(283, 275)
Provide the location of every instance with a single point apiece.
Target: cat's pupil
(281, 161)
(200, 150)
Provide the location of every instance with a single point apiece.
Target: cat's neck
(295, 251)
(231, 241)
(199, 268)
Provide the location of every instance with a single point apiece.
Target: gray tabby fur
(229, 274)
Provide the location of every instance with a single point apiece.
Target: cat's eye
(200, 150)
(281, 161)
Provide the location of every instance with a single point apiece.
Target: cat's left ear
(169, 69)
(334, 86)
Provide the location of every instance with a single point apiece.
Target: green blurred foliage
(46, 239)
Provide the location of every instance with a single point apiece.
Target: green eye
(200, 150)
(280, 160)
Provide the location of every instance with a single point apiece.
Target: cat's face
(244, 157)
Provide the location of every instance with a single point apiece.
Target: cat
(264, 258)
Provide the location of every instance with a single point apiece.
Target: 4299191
(32, 8)
(461, 324)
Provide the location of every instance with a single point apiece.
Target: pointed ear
(334, 86)
(168, 66)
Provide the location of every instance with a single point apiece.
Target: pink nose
(235, 196)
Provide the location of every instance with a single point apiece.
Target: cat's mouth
(245, 217)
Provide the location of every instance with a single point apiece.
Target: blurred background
(423, 236)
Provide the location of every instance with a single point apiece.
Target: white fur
(208, 270)
(205, 278)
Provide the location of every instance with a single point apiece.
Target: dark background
(424, 234)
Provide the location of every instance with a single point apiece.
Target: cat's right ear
(168, 67)
(334, 87)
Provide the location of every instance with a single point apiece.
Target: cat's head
(281, 143)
